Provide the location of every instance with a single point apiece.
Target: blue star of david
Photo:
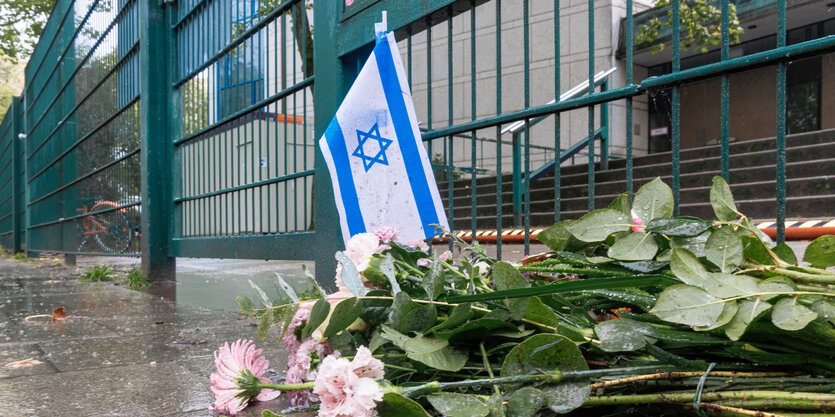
(380, 157)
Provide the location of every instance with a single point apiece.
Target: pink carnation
(348, 388)
(386, 233)
(298, 368)
(637, 220)
(291, 342)
(418, 244)
(235, 364)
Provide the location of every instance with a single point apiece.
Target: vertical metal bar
(629, 80)
(527, 66)
(18, 182)
(590, 137)
(155, 151)
(473, 87)
(429, 83)
(676, 104)
(781, 125)
(450, 153)
(557, 123)
(517, 178)
(499, 176)
(724, 93)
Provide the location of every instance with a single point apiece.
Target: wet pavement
(116, 357)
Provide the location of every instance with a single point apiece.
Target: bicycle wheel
(116, 232)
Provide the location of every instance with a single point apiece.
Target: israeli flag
(379, 169)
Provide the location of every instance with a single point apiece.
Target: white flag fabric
(379, 169)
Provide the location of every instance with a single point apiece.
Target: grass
(20, 257)
(98, 273)
(136, 280)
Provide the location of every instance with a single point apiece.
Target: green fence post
(604, 130)
(155, 142)
(328, 89)
(17, 179)
(517, 179)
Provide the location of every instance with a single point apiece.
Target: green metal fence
(186, 129)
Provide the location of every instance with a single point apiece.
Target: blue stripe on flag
(345, 178)
(405, 137)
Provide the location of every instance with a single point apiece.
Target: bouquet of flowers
(631, 311)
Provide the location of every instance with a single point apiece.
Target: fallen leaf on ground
(59, 313)
(23, 364)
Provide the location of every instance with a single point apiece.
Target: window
(240, 76)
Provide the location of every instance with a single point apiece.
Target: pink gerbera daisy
(235, 384)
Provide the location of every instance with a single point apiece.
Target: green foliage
(700, 25)
(136, 280)
(821, 252)
(98, 273)
(21, 24)
(20, 257)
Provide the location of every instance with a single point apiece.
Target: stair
(810, 183)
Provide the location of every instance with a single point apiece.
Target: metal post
(17, 179)
(517, 179)
(328, 90)
(156, 142)
(604, 130)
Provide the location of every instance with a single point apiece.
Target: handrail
(576, 91)
(570, 152)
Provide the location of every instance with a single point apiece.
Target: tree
(11, 84)
(701, 25)
(21, 24)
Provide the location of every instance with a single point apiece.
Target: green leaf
(433, 282)
(825, 310)
(786, 253)
(724, 249)
(265, 324)
(688, 268)
(728, 313)
(409, 316)
(268, 413)
(387, 266)
(747, 312)
(776, 284)
(287, 288)
(624, 335)
(245, 304)
(313, 282)
(788, 314)
(569, 286)
(496, 405)
(350, 276)
(507, 277)
(821, 252)
(459, 315)
(433, 352)
(548, 353)
(557, 236)
(653, 200)
(727, 285)
(318, 314)
(679, 226)
(344, 314)
(722, 200)
(635, 247)
(477, 329)
(686, 304)
(396, 405)
(265, 300)
(459, 405)
(644, 266)
(540, 313)
(526, 402)
(621, 204)
(693, 244)
(376, 311)
(599, 224)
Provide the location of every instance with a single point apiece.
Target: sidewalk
(116, 360)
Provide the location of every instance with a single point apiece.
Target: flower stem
(740, 397)
(286, 387)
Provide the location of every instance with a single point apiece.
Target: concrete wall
(828, 91)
